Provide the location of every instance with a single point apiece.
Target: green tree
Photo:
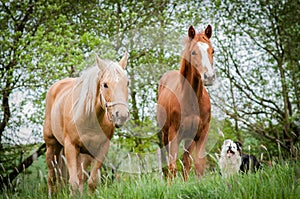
(259, 41)
(41, 42)
(143, 29)
(44, 41)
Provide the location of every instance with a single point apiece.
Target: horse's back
(55, 99)
(169, 80)
(58, 88)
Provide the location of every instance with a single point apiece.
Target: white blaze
(205, 60)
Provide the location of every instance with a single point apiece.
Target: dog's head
(230, 148)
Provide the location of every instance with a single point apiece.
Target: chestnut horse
(80, 117)
(184, 109)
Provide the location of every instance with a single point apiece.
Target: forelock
(113, 72)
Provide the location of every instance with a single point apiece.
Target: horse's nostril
(117, 113)
(205, 76)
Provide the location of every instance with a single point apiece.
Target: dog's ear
(239, 146)
(226, 142)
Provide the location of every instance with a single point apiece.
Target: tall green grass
(282, 180)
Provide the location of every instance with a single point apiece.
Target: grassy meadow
(282, 180)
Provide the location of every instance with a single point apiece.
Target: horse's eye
(193, 53)
(105, 85)
(213, 51)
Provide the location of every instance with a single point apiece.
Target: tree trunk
(5, 99)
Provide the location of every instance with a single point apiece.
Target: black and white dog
(232, 161)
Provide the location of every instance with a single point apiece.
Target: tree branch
(6, 181)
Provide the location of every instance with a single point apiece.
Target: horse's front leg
(200, 151)
(173, 152)
(72, 157)
(190, 128)
(93, 179)
(83, 174)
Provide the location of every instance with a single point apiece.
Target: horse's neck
(192, 76)
(100, 112)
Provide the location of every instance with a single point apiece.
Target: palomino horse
(184, 109)
(80, 117)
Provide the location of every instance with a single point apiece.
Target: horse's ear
(123, 61)
(100, 63)
(208, 31)
(191, 32)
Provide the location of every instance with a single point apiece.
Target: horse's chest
(92, 133)
(93, 140)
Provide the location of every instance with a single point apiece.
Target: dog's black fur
(249, 163)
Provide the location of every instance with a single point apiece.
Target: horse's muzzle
(120, 117)
(209, 79)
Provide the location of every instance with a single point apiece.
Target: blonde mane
(87, 85)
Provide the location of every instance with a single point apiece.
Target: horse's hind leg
(164, 151)
(52, 157)
(63, 171)
(186, 159)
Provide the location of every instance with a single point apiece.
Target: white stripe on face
(205, 60)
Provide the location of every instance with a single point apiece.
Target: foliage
(38, 50)
(281, 180)
(42, 49)
(260, 84)
(13, 155)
